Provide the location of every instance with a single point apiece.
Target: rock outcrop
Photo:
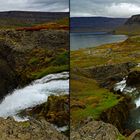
(23, 53)
(133, 79)
(107, 75)
(8, 76)
(118, 114)
(55, 110)
(29, 130)
(23, 41)
(95, 130)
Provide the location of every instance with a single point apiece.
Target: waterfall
(34, 94)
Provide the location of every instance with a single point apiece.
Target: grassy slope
(128, 30)
(88, 91)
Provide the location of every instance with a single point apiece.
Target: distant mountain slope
(24, 18)
(81, 24)
(130, 27)
(135, 19)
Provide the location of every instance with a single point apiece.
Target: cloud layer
(110, 8)
(35, 5)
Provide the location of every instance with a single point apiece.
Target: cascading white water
(35, 93)
(120, 85)
(133, 120)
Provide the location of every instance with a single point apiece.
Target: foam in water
(137, 102)
(121, 85)
(35, 93)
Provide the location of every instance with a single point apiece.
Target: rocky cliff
(25, 56)
(130, 27)
(135, 19)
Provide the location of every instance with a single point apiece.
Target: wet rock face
(8, 77)
(133, 79)
(33, 130)
(95, 130)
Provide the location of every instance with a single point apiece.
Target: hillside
(97, 70)
(13, 19)
(95, 24)
(130, 27)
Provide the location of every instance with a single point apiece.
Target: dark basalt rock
(9, 78)
(133, 79)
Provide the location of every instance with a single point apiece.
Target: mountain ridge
(94, 24)
(11, 19)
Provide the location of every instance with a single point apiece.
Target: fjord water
(84, 40)
(34, 94)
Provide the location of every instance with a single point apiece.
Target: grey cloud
(111, 8)
(35, 5)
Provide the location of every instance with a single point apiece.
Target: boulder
(29, 130)
(55, 110)
(95, 130)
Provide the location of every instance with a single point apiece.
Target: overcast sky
(35, 5)
(110, 8)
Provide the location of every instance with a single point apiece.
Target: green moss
(49, 70)
(33, 60)
(25, 124)
(121, 137)
(62, 59)
(95, 98)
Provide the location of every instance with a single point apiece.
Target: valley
(95, 102)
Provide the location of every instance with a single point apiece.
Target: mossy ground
(127, 51)
(86, 90)
(41, 62)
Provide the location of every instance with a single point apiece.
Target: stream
(34, 94)
(133, 121)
